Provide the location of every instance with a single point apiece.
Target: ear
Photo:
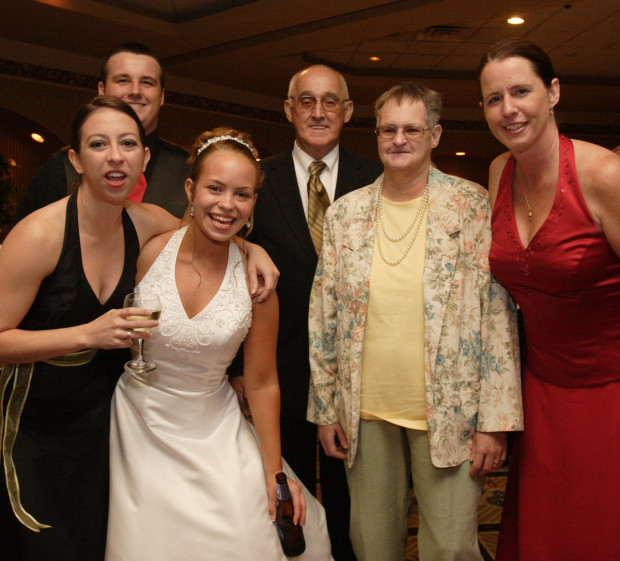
(554, 93)
(436, 135)
(163, 98)
(147, 157)
(101, 88)
(288, 110)
(189, 189)
(348, 110)
(74, 158)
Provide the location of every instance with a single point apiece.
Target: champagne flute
(149, 302)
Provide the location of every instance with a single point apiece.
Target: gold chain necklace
(417, 222)
(529, 208)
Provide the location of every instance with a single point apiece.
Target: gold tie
(318, 201)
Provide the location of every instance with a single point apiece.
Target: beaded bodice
(193, 353)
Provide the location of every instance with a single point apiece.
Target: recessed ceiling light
(37, 137)
(516, 20)
(460, 153)
(374, 58)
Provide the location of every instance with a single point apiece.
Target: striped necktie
(318, 201)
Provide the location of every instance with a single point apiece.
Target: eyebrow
(126, 75)
(309, 93)
(401, 126)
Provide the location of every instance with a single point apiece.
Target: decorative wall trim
(84, 81)
(44, 74)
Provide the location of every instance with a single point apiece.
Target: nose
(317, 111)
(135, 87)
(400, 138)
(226, 201)
(115, 153)
(508, 107)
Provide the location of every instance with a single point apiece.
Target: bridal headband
(219, 139)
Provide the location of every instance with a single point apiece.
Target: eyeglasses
(329, 104)
(388, 132)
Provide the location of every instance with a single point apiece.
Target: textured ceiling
(244, 52)
(175, 11)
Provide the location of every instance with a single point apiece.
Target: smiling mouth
(515, 127)
(222, 220)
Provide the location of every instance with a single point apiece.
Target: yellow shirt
(393, 387)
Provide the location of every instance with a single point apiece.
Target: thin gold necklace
(417, 222)
(529, 208)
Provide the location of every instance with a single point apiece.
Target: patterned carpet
(489, 517)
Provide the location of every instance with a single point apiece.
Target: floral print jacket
(471, 350)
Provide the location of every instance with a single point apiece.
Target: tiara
(219, 139)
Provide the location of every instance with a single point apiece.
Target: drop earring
(191, 210)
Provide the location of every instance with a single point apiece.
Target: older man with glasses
(288, 220)
(413, 344)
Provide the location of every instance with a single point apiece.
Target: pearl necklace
(417, 222)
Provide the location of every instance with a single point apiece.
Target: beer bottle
(291, 535)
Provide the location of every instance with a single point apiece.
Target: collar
(303, 159)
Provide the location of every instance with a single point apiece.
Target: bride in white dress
(191, 479)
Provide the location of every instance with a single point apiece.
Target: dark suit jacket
(281, 228)
(165, 174)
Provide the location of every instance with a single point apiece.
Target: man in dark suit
(133, 73)
(318, 105)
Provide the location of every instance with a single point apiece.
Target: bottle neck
(283, 492)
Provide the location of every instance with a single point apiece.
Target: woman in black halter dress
(64, 272)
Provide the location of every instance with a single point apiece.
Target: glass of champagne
(149, 302)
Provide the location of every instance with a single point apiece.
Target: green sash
(21, 374)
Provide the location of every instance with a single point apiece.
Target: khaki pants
(379, 486)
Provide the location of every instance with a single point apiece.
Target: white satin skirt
(187, 481)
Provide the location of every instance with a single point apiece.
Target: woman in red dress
(556, 247)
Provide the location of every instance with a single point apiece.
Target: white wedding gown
(187, 481)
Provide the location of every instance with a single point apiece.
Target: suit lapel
(348, 171)
(159, 180)
(346, 167)
(283, 180)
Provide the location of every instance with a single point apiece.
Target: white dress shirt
(329, 175)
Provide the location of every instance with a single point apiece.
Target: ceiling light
(516, 20)
(37, 137)
(374, 58)
(459, 153)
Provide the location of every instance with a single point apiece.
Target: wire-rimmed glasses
(307, 103)
(388, 132)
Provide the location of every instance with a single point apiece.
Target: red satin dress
(563, 497)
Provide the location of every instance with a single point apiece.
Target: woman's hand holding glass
(142, 307)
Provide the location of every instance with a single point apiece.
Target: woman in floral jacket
(413, 347)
